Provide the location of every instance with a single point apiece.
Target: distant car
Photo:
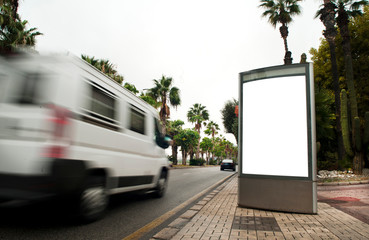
(228, 164)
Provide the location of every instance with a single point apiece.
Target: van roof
(71, 58)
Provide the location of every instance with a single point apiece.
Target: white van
(66, 129)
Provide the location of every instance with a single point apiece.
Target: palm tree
(327, 16)
(207, 145)
(211, 129)
(14, 6)
(281, 11)
(162, 92)
(131, 87)
(104, 66)
(345, 10)
(13, 31)
(198, 115)
(90, 60)
(173, 128)
(149, 99)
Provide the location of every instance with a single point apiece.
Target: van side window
(137, 122)
(102, 103)
(101, 107)
(28, 91)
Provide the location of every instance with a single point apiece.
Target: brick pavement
(218, 216)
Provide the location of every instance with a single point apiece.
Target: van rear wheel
(93, 200)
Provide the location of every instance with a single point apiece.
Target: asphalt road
(126, 214)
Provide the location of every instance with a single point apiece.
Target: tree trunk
(328, 19)
(175, 154)
(198, 126)
(284, 34)
(358, 163)
(343, 22)
(191, 154)
(164, 114)
(184, 157)
(198, 150)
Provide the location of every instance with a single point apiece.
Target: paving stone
(202, 202)
(196, 207)
(189, 214)
(179, 223)
(166, 233)
(220, 218)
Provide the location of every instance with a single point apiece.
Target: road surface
(126, 214)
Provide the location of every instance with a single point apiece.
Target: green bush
(197, 162)
(327, 161)
(213, 162)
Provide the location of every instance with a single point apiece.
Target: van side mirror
(163, 141)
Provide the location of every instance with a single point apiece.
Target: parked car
(227, 164)
(66, 129)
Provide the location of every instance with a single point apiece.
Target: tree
(218, 149)
(13, 31)
(230, 120)
(130, 87)
(207, 145)
(187, 139)
(359, 30)
(149, 99)
(14, 6)
(212, 129)
(104, 66)
(164, 93)
(198, 114)
(174, 128)
(347, 9)
(325, 130)
(224, 148)
(281, 11)
(327, 16)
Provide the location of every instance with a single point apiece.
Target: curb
(343, 183)
(190, 167)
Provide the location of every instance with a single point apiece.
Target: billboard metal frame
(305, 183)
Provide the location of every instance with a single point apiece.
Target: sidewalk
(217, 216)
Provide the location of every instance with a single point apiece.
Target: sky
(202, 44)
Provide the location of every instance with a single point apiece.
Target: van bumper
(66, 177)
(15, 187)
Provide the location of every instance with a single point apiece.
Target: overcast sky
(202, 44)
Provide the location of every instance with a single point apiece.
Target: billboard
(277, 128)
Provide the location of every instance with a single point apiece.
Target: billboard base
(286, 195)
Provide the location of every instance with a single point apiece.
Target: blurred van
(66, 129)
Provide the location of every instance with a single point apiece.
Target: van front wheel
(161, 185)
(93, 200)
